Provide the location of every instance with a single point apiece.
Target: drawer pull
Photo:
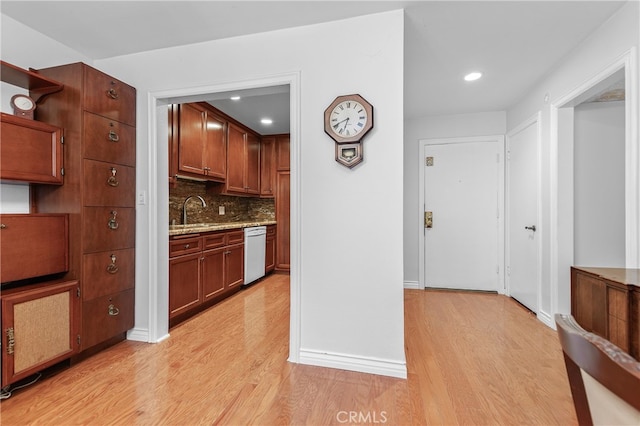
(112, 93)
(2, 226)
(112, 268)
(113, 136)
(113, 311)
(112, 181)
(113, 223)
(186, 246)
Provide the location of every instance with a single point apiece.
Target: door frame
(535, 120)
(421, 207)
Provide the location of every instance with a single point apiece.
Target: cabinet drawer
(108, 184)
(33, 245)
(31, 151)
(271, 231)
(107, 272)
(216, 240)
(108, 228)
(235, 237)
(109, 140)
(106, 317)
(109, 97)
(185, 246)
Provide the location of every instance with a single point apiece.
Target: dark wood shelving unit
(38, 85)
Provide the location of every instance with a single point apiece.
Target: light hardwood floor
(472, 358)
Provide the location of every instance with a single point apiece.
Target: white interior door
(523, 228)
(463, 189)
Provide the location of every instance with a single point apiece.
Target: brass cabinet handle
(113, 136)
(112, 93)
(113, 311)
(113, 223)
(186, 246)
(10, 340)
(112, 268)
(2, 226)
(112, 181)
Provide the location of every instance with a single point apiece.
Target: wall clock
(23, 106)
(347, 120)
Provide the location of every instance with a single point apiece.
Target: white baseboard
(381, 367)
(412, 285)
(546, 319)
(138, 334)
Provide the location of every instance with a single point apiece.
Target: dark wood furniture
(98, 113)
(606, 302)
(283, 205)
(31, 151)
(268, 166)
(204, 268)
(270, 249)
(40, 327)
(243, 162)
(591, 362)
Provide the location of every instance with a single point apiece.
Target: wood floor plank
(472, 358)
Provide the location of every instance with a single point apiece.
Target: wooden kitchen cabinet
(39, 327)
(202, 142)
(283, 250)
(203, 269)
(270, 249)
(283, 147)
(243, 162)
(31, 151)
(606, 302)
(267, 166)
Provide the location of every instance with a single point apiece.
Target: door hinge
(62, 171)
(10, 340)
(78, 339)
(78, 292)
(497, 269)
(61, 140)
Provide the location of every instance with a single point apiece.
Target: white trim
(536, 120)
(158, 173)
(412, 285)
(546, 319)
(138, 334)
(455, 140)
(348, 362)
(628, 62)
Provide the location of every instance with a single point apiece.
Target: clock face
(348, 118)
(23, 102)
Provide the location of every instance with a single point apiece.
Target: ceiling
(513, 43)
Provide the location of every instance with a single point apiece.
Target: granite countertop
(194, 228)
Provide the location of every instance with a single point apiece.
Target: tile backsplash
(237, 209)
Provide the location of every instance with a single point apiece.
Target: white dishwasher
(255, 240)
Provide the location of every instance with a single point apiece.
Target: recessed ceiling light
(235, 98)
(266, 121)
(472, 76)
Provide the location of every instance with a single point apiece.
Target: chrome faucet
(184, 207)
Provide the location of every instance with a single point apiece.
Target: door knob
(530, 228)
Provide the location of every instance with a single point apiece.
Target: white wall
(596, 53)
(431, 127)
(599, 209)
(26, 48)
(348, 271)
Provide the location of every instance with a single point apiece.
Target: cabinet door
(39, 328)
(109, 97)
(282, 217)
(31, 151)
(282, 153)
(213, 273)
(268, 166)
(270, 254)
(252, 165)
(234, 266)
(589, 303)
(184, 283)
(108, 184)
(108, 140)
(618, 317)
(108, 272)
(235, 159)
(106, 317)
(108, 228)
(191, 139)
(215, 148)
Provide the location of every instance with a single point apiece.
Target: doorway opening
(594, 175)
(158, 307)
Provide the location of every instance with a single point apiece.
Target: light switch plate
(220, 210)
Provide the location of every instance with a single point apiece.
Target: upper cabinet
(268, 166)
(31, 151)
(243, 162)
(200, 136)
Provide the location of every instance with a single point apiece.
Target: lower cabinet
(39, 328)
(270, 249)
(204, 268)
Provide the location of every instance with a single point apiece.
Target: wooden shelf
(38, 85)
